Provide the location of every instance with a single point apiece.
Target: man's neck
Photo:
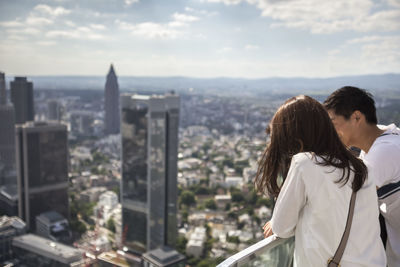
(368, 135)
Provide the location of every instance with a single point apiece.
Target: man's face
(344, 127)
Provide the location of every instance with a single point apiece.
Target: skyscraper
(149, 133)
(8, 176)
(7, 137)
(22, 98)
(42, 169)
(111, 103)
(53, 110)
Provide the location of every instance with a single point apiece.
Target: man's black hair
(348, 99)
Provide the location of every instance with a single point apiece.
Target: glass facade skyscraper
(22, 98)
(42, 167)
(8, 176)
(149, 132)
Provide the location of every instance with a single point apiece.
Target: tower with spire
(111, 103)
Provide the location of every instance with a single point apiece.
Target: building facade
(111, 103)
(54, 226)
(42, 170)
(10, 227)
(7, 137)
(22, 98)
(53, 110)
(149, 133)
(8, 175)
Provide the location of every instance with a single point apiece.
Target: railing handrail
(252, 251)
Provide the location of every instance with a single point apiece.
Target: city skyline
(201, 38)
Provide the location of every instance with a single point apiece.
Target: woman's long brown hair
(302, 124)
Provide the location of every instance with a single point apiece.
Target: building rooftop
(51, 216)
(48, 248)
(113, 258)
(14, 222)
(10, 192)
(164, 256)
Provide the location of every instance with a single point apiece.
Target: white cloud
(57, 11)
(46, 43)
(69, 23)
(226, 2)
(373, 54)
(97, 26)
(226, 49)
(154, 30)
(184, 18)
(251, 47)
(77, 33)
(201, 12)
(130, 2)
(334, 52)
(11, 24)
(169, 30)
(24, 31)
(395, 3)
(37, 21)
(323, 17)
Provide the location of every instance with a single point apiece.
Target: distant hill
(376, 83)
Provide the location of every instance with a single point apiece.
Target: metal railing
(272, 251)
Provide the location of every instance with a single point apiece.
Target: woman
(319, 175)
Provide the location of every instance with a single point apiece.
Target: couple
(309, 149)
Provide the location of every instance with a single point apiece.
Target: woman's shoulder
(304, 157)
(306, 160)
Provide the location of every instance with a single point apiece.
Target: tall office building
(22, 98)
(8, 176)
(149, 133)
(7, 137)
(111, 103)
(42, 167)
(53, 110)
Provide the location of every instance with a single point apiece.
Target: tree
(237, 197)
(78, 226)
(111, 225)
(181, 242)
(264, 202)
(187, 198)
(210, 204)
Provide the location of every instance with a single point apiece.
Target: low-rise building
(195, 245)
(222, 200)
(54, 226)
(33, 250)
(10, 227)
(163, 257)
(92, 194)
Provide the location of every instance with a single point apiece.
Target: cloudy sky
(200, 38)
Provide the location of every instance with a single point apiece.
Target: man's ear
(357, 116)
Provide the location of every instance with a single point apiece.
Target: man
(352, 111)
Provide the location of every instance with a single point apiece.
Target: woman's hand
(267, 229)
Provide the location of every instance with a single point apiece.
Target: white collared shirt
(314, 208)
